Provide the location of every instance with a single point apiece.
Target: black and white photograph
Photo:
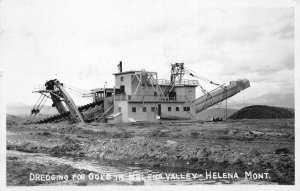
(111, 93)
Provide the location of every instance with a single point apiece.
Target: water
(156, 176)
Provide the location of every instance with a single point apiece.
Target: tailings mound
(263, 112)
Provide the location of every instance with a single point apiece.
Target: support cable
(41, 102)
(37, 101)
(192, 73)
(78, 93)
(36, 108)
(78, 89)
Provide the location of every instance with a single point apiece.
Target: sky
(81, 43)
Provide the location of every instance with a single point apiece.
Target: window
(133, 109)
(186, 108)
(152, 109)
(119, 109)
(177, 108)
(122, 78)
(144, 109)
(169, 109)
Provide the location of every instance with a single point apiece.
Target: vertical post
(104, 90)
(120, 66)
(114, 98)
(156, 85)
(226, 105)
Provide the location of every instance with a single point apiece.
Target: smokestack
(120, 66)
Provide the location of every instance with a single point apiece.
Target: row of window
(133, 109)
(177, 108)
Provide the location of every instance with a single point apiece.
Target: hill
(263, 112)
(23, 110)
(14, 120)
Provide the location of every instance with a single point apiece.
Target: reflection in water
(149, 176)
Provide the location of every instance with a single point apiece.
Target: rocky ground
(265, 146)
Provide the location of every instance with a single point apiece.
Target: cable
(80, 95)
(80, 92)
(166, 75)
(43, 103)
(190, 72)
(78, 89)
(37, 101)
(198, 75)
(47, 108)
(36, 108)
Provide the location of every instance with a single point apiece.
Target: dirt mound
(263, 112)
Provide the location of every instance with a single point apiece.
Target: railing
(121, 97)
(151, 98)
(168, 82)
(39, 87)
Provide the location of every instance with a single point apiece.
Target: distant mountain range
(275, 99)
(23, 110)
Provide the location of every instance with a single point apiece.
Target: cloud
(25, 2)
(265, 65)
(243, 34)
(89, 71)
(285, 32)
(288, 62)
(287, 16)
(202, 29)
(284, 64)
(160, 27)
(83, 42)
